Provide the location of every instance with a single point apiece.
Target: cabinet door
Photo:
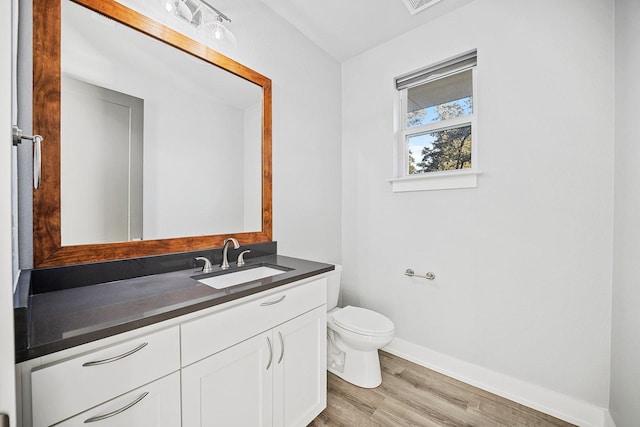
(232, 387)
(300, 375)
(154, 405)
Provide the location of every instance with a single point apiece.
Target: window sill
(447, 180)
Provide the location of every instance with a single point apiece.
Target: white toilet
(354, 336)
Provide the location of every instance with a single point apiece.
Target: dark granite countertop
(62, 317)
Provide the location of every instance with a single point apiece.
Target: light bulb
(218, 32)
(220, 35)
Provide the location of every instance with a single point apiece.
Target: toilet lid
(363, 321)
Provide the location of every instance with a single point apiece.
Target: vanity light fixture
(416, 6)
(203, 16)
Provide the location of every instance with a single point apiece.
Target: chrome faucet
(225, 261)
(207, 267)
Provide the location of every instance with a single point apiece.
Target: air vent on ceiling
(416, 6)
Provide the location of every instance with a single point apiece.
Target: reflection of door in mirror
(101, 155)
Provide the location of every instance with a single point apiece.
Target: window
(437, 126)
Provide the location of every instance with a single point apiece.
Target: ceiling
(346, 28)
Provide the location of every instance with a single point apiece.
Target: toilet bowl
(354, 336)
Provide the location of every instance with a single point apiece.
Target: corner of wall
(608, 420)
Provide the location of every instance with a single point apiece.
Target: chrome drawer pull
(266, 303)
(281, 346)
(117, 411)
(114, 358)
(270, 353)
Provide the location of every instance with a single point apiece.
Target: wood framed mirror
(50, 247)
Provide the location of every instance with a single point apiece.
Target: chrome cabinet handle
(114, 358)
(270, 353)
(117, 411)
(266, 303)
(281, 346)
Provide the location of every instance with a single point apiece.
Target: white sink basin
(239, 277)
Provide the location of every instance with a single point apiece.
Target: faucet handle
(241, 262)
(206, 268)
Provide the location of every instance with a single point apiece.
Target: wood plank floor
(411, 395)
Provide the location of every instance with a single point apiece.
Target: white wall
(306, 129)
(523, 262)
(625, 348)
(7, 370)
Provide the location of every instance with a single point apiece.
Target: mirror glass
(155, 143)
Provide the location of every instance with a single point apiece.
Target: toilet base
(361, 368)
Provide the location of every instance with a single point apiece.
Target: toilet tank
(333, 287)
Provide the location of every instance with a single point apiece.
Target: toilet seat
(362, 321)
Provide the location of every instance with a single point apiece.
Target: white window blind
(449, 66)
(441, 91)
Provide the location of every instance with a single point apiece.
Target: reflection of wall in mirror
(202, 156)
(252, 168)
(193, 150)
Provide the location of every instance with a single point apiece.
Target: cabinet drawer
(63, 389)
(208, 335)
(153, 405)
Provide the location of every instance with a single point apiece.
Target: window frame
(436, 180)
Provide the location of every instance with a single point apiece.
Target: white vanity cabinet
(276, 377)
(257, 361)
(64, 388)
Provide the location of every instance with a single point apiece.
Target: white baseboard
(548, 401)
